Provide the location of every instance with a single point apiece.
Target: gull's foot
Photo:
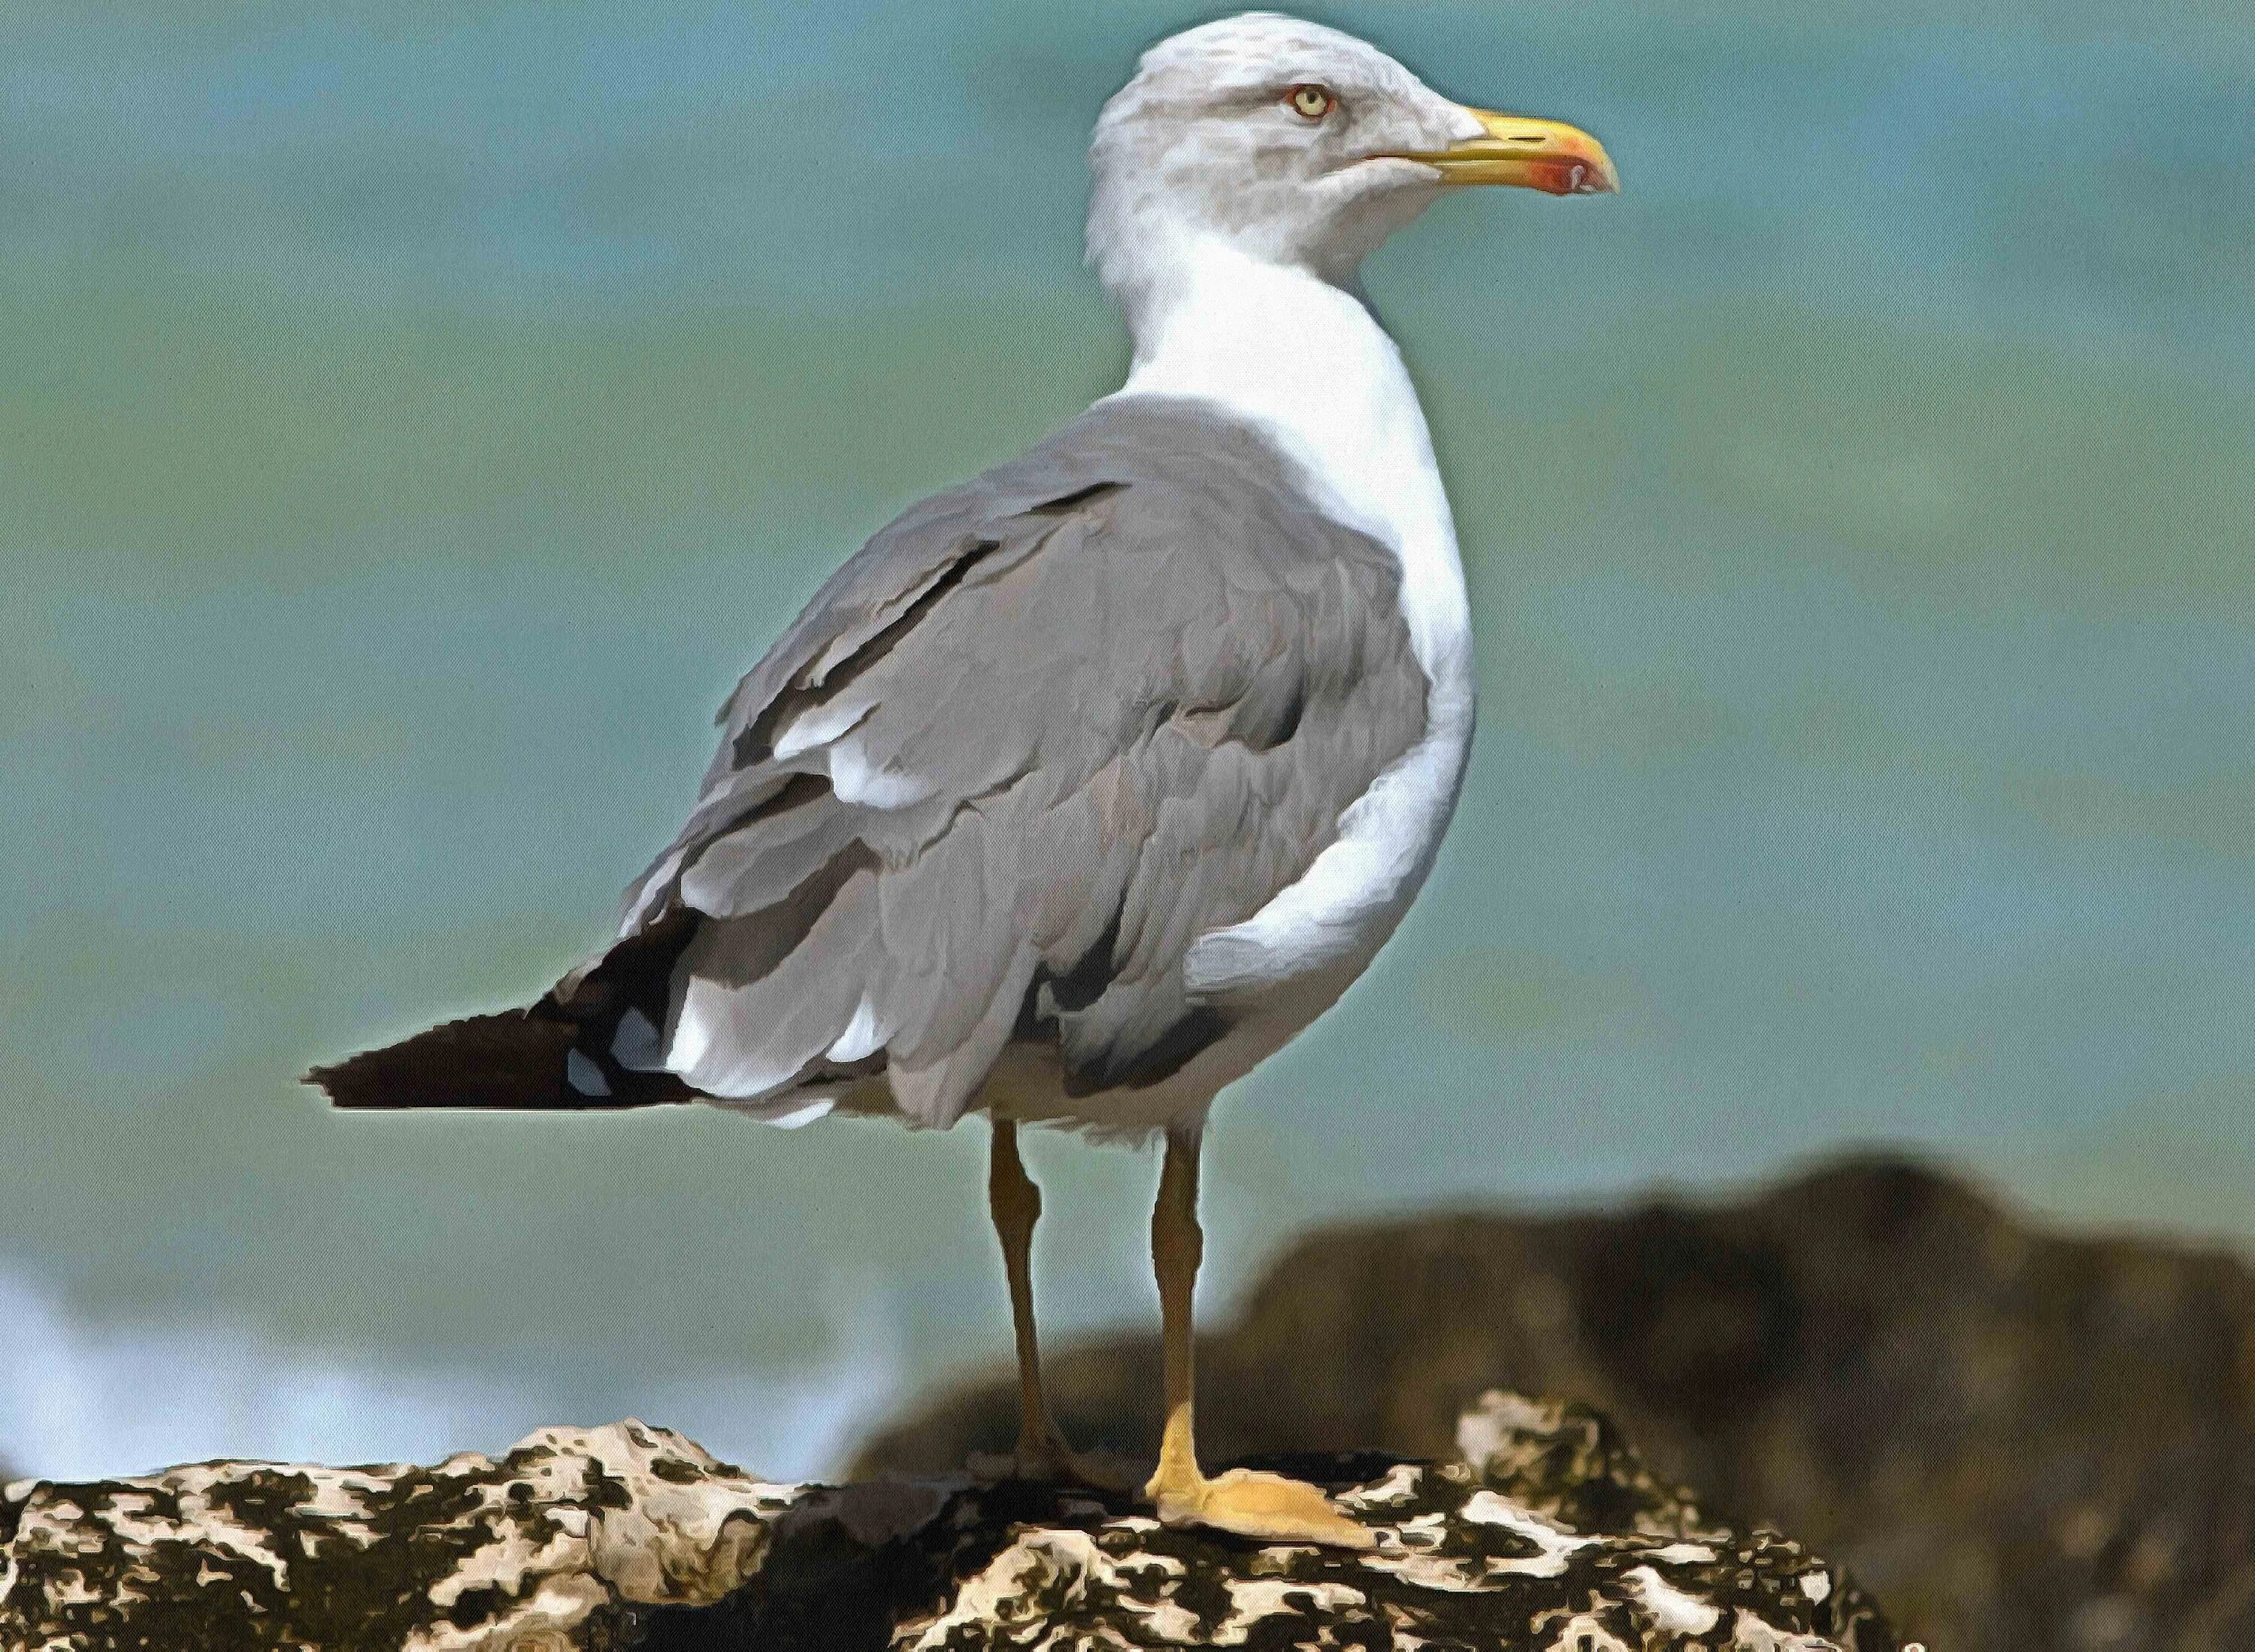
(1048, 1460)
(1250, 1504)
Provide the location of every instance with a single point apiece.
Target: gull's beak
(1517, 149)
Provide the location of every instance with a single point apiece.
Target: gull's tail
(569, 1051)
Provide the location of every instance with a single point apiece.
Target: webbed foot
(1250, 1504)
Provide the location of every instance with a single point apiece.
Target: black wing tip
(554, 1055)
(518, 1061)
(508, 1061)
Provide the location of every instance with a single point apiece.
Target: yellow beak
(1531, 154)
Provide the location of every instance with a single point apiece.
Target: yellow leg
(1016, 1203)
(1177, 1247)
(1249, 1504)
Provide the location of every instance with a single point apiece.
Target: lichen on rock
(1552, 1537)
(475, 1552)
(1472, 1554)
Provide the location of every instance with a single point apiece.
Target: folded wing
(1018, 754)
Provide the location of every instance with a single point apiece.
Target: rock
(2018, 1439)
(473, 1552)
(1555, 1535)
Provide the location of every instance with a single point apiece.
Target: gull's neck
(1304, 362)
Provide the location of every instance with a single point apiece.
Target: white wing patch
(862, 1038)
(856, 780)
(709, 1049)
(820, 727)
(853, 776)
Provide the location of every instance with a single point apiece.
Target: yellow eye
(1313, 101)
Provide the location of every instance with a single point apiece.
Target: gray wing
(1018, 754)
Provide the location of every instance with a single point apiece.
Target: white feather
(819, 727)
(800, 1116)
(862, 1037)
(855, 779)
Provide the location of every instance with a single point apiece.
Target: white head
(1298, 145)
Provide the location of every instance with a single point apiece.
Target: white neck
(1305, 362)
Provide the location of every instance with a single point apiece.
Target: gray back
(1040, 734)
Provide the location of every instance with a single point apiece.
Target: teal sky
(413, 418)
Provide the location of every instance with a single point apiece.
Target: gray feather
(1018, 754)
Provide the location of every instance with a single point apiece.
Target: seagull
(1086, 785)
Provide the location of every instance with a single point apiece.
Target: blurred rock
(1556, 1536)
(2018, 1439)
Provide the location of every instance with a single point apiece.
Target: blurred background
(414, 416)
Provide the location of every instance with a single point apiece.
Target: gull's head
(1296, 144)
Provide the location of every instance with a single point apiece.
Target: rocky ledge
(1550, 1534)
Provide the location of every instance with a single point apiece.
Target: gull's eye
(1311, 102)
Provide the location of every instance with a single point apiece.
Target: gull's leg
(1243, 1501)
(1016, 1203)
(1016, 1206)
